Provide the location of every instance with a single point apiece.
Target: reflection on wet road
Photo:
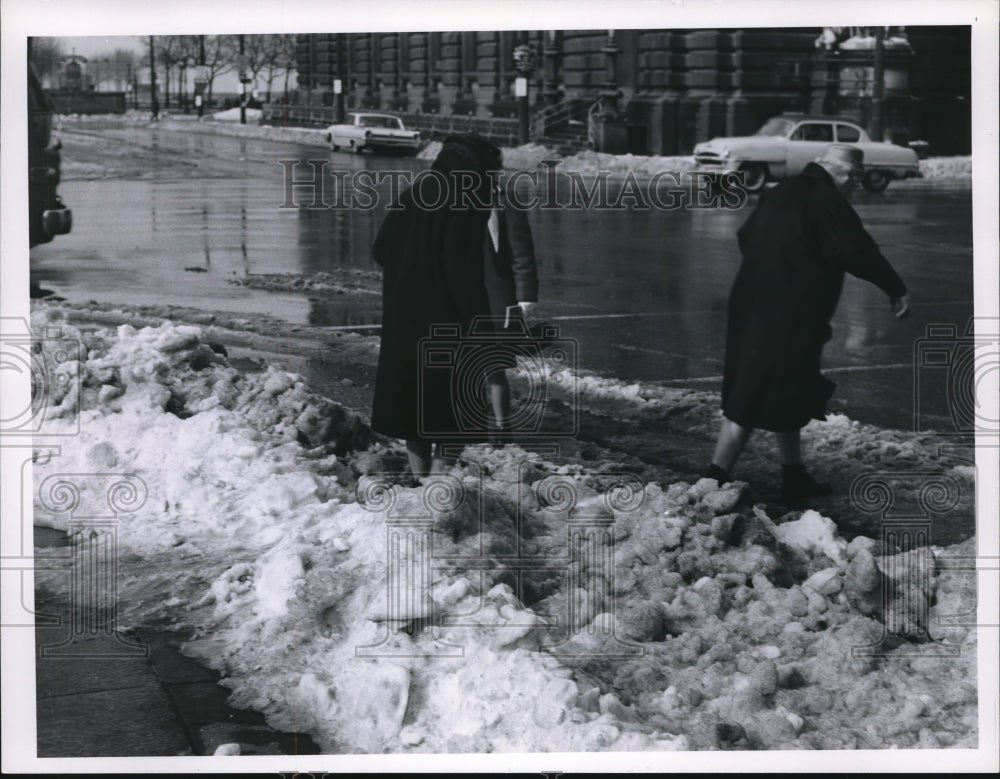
(207, 209)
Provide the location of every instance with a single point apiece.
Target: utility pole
(243, 84)
(200, 96)
(152, 80)
(878, 86)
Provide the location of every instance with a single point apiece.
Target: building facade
(664, 89)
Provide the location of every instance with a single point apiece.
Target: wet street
(168, 217)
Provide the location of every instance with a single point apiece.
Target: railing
(592, 113)
(298, 114)
(551, 116)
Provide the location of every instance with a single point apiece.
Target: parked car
(787, 143)
(374, 132)
(47, 215)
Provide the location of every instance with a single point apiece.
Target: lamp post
(609, 90)
(338, 93)
(524, 63)
(878, 87)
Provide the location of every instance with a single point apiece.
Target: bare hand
(529, 312)
(901, 307)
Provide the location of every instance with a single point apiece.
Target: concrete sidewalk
(135, 695)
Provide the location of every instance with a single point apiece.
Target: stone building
(662, 91)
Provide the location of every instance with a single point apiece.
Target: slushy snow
(522, 601)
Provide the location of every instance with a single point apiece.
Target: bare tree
(219, 57)
(45, 55)
(187, 46)
(169, 52)
(266, 54)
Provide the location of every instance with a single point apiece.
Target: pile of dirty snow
(522, 601)
(946, 167)
(233, 115)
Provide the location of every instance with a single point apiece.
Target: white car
(787, 143)
(375, 132)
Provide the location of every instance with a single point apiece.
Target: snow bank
(466, 614)
(946, 168)
(233, 115)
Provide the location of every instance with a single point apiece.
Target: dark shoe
(798, 486)
(713, 471)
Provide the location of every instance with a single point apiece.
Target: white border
(21, 18)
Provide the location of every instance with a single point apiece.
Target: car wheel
(875, 180)
(754, 176)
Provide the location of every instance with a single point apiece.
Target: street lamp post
(878, 87)
(524, 63)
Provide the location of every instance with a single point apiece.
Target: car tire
(754, 176)
(875, 180)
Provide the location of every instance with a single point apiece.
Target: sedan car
(374, 132)
(787, 143)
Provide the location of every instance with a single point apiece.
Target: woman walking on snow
(431, 253)
(797, 245)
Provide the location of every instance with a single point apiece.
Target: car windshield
(380, 121)
(776, 127)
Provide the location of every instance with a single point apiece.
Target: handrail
(550, 115)
(560, 113)
(592, 122)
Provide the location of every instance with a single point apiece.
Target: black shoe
(713, 471)
(797, 486)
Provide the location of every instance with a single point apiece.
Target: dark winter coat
(433, 285)
(797, 245)
(511, 273)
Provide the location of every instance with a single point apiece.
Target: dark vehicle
(47, 215)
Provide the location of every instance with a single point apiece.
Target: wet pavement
(643, 293)
(152, 700)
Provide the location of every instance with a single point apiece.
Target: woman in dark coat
(431, 253)
(796, 245)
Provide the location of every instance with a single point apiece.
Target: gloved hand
(529, 311)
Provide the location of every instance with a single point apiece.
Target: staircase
(564, 127)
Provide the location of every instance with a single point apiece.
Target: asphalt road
(169, 217)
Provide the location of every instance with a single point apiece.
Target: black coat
(511, 272)
(433, 278)
(797, 245)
